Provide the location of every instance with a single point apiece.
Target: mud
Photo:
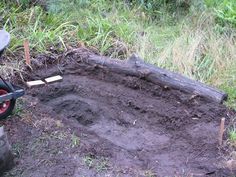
(139, 127)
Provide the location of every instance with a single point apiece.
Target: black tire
(9, 110)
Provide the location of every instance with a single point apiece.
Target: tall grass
(198, 50)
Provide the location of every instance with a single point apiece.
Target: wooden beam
(135, 66)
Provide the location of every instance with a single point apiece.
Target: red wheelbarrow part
(7, 106)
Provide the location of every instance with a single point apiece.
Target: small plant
(17, 148)
(102, 165)
(19, 107)
(75, 141)
(232, 135)
(89, 161)
(149, 173)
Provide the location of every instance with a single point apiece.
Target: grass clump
(42, 30)
(75, 141)
(232, 136)
(88, 161)
(225, 10)
(99, 164)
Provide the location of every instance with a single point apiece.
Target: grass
(102, 164)
(17, 149)
(99, 163)
(232, 136)
(193, 44)
(18, 110)
(149, 173)
(75, 141)
(88, 161)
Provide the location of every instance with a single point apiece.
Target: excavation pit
(136, 124)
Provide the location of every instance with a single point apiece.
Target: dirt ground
(97, 123)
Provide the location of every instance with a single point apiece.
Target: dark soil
(97, 123)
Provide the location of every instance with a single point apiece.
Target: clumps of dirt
(139, 127)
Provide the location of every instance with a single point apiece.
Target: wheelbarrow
(8, 91)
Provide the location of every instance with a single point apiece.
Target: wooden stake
(27, 52)
(222, 128)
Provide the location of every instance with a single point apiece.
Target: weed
(229, 85)
(17, 149)
(50, 142)
(75, 141)
(232, 135)
(99, 164)
(149, 173)
(41, 141)
(19, 109)
(88, 161)
(59, 135)
(102, 164)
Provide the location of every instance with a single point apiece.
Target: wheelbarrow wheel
(6, 107)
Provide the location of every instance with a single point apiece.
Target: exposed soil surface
(97, 123)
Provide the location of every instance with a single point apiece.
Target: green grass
(17, 149)
(225, 10)
(99, 163)
(75, 141)
(18, 110)
(192, 43)
(102, 164)
(149, 173)
(232, 136)
(88, 161)
(229, 85)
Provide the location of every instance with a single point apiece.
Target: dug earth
(99, 123)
